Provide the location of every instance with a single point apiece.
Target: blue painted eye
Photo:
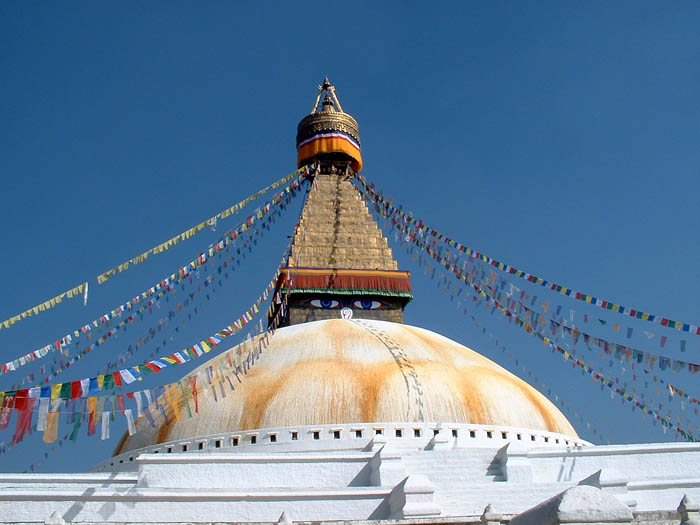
(326, 304)
(365, 304)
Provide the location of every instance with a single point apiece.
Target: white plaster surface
(417, 476)
(583, 504)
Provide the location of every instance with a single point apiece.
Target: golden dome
(361, 371)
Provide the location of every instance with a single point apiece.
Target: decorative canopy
(328, 131)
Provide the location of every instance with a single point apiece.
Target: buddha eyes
(366, 304)
(357, 304)
(326, 304)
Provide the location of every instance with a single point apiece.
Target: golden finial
(331, 97)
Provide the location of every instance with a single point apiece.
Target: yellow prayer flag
(55, 390)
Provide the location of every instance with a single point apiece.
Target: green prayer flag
(65, 391)
(76, 426)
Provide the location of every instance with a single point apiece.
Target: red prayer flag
(24, 421)
(193, 385)
(76, 389)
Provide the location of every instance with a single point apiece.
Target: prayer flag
(43, 411)
(24, 421)
(130, 421)
(105, 425)
(51, 431)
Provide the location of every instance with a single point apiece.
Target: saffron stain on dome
(337, 371)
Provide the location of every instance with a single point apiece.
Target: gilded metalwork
(319, 122)
(331, 117)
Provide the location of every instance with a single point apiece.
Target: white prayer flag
(43, 410)
(130, 421)
(105, 425)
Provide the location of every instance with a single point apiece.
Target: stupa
(345, 413)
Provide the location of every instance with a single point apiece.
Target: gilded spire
(340, 263)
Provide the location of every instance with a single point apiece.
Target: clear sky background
(559, 137)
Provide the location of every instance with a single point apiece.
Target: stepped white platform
(404, 472)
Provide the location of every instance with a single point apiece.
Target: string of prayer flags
(485, 291)
(302, 172)
(83, 388)
(124, 324)
(596, 376)
(147, 298)
(537, 384)
(46, 305)
(621, 352)
(387, 209)
(167, 402)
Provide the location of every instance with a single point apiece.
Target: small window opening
(336, 434)
(295, 436)
(169, 450)
(317, 434)
(546, 440)
(436, 431)
(234, 442)
(253, 440)
(399, 433)
(556, 441)
(454, 432)
(358, 433)
(472, 433)
(378, 431)
(416, 432)
(121, 461)
(273, 438)
(489, 434)
(532, 438)
(217, 443)
(131, 458)
(520, 437)
(201, 445)
(504, 435)
(184, 448)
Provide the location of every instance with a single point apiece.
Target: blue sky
(558, 137)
